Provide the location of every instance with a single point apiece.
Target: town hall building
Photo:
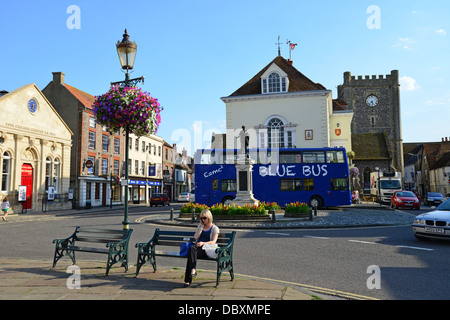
(35, 146)
(282, 108)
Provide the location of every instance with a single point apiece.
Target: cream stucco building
(35, 145)
(282, 108)
(146, 171)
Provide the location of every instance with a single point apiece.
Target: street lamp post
(127, 54)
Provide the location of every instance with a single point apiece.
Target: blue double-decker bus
(317, 177)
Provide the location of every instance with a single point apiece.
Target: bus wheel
(315, 201)
(227, 201)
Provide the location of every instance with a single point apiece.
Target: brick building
(96, 154)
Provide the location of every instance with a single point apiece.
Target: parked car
(159, 198)
(434, 224)
(433, 198)
(184, 197)
(405, 199)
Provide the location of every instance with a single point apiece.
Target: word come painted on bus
(211, 173)
(289, 171)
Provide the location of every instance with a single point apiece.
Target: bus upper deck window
(314, 157)
(335, 157)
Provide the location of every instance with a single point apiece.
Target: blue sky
(192, 53)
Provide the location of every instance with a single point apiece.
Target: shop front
(141, 190)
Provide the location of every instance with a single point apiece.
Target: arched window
(48, 173)
(56, 170)
(274, 82)
(275, 133)
(6, 171)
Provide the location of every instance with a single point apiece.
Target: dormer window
(274, 83)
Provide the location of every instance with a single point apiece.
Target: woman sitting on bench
(206, 232)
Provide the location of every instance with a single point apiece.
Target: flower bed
(296, 209)
(187, 208)
(246, 210)
(270, 206)
(219, 211)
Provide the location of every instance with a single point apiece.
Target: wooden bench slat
(110, 231)
(168, 253)
(103, 234)
(97, 240)
(90, 249)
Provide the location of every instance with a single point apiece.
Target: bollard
(315, 211)
(274, 218)
(193, 215)
(310, 214)
(171, 214)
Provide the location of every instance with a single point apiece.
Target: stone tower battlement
(375, 80)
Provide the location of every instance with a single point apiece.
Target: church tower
(375, 101)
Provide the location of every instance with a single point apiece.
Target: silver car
(434, 224)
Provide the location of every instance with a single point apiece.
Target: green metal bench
(116, 245)
(148, 251)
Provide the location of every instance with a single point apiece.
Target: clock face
(372, 100)
(32, 106)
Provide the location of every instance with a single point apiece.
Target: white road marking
(359, 241)
(278, 234)
(416, 248)
(315, 237)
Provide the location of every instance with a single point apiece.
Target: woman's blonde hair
(207, 214)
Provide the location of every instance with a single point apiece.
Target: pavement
(24, 279)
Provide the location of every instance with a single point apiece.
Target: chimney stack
(58, 77)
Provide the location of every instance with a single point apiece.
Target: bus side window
(290, 157)
(215, 184)
(229, 185)
(335, 157)
(314, 157)
(339, 184)
(308, 184)
(290, 184)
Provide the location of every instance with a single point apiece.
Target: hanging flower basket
(128, 107)
(354, 172)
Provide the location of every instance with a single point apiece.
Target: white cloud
(404, 43)
(408, 83)
(441, 32)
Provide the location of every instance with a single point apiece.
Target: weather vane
(279, 48)
(291, 47)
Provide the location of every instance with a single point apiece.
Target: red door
(27, 180)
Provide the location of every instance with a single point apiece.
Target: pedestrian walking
(5, 207)
(207, 233)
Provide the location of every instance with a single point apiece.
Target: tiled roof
(85, 98)
(339, 105)
(297, 80)
(444, 161)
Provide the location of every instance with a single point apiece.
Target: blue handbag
(184, 248)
